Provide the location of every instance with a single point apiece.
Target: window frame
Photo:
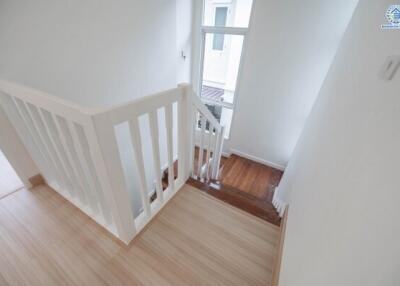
(227, 30)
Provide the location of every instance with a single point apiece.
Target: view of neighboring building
(222, 53)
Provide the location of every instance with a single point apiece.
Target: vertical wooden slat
(106, 156)
(182, 142)
(23, 110)
(98, 190)
(89, 192)
(67, 144)
(201, 147)
(52, 134)
(33, 111)
(185, 133)
(191, 129)
(26, 131)
(219, 150)
(170, 147)
(193, 143)
(214, 155)
(153, 120)
(209, 146)
(137, 147)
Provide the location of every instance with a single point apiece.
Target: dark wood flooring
(242, 183)
(242, 200)
(245, 184)
(250, 177)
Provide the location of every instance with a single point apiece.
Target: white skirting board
(259, 160)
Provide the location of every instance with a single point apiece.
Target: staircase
(121, 181)
(122, 165)
(242, 183)
(245, 184)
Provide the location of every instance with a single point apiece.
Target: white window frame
(225, 31)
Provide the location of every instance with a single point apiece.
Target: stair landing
(245, 184)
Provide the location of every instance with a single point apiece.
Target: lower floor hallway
(9, 180)
(195, 240)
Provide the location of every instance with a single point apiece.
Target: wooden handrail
(205, 112)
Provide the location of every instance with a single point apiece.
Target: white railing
(211, 142)
(80, 155)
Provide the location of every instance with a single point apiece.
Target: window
(220, 21)
(218, 42)
(237, 12)
(220, 16)
(223, 34)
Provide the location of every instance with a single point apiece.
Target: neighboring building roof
(212, 93)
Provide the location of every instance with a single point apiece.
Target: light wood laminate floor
(195, 240)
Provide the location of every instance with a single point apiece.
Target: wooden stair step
(235, 197)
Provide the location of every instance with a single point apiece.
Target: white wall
(94, 52)
(184, 15)
(13, 148)
(290, 47)
(342, 183)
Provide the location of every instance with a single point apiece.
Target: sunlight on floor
(9, 180)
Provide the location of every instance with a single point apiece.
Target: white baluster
(193, 141)
(183, 149)
(170, 148)
(214, 155)
(51, 133)
(209, 146)
(219, 151)
(62, 181)
(201, 147)
(71, 153)
(85, 134)
(137, 147)
(90, 190)
(154, 131)
(26, 130)
(106, 156)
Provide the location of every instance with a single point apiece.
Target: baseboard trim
(278, 259)
(259, 160)
(224, 154)
(37, 180)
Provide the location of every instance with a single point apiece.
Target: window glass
(220, 21)
(237, 13)
(218, 42)
(220, 16)
(221, 68)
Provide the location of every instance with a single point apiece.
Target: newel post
(186, 115)
(109, 167)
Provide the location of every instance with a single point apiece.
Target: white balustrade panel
(77, 151)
